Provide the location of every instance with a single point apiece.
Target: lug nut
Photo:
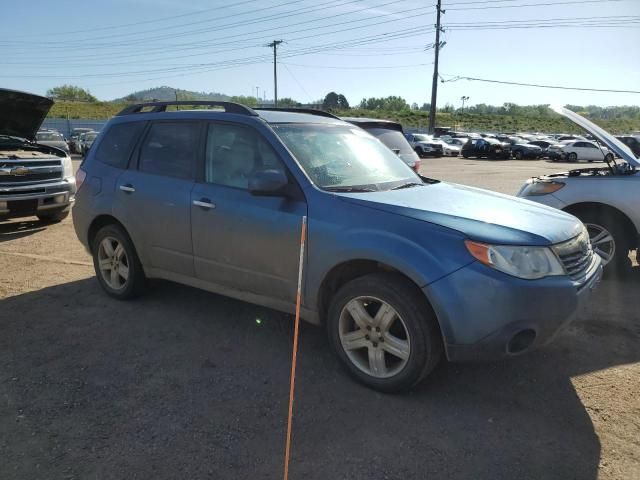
(375, 344)
(377, 329)
(366, 337)
(368, 328)
(381, 339)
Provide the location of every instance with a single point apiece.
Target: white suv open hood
(603, 136)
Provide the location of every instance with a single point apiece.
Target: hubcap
(602, 242)
(113, 263)
(374, 337)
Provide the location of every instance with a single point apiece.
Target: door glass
(170, 149)
(118, 142)
(234, 152)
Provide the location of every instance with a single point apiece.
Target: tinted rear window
(170, 149)
(117, 143)
(391, 138)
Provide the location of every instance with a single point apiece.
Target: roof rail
(310, 111)
(229, 107)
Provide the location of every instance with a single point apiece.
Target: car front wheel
(572, 157)
(609, 240)
(384, 332)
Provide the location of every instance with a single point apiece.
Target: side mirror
(268, 183)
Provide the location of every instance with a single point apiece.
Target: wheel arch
(630, 229)
(349, 270)
(102, 221)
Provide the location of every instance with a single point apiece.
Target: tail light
(416, 166)
(80, 176)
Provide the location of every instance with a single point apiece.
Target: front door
(154, 199)
(241, 241)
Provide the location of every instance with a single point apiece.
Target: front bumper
(483, 312)
(35, 199)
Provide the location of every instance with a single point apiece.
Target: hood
(21, 114)
(601, 135)
(479, 214)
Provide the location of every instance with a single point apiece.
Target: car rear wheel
(384, 332)
(609, 240)
(572, 157)
(116, 263)
(608, 157)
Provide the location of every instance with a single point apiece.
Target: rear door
(153, 198)
(241, 241)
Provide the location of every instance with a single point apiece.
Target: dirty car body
(450, 268)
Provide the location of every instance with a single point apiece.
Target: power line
(530, 4)
(559, 87)
(379, 67)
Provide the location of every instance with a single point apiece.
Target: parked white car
(606, 199)
(451, 147)
(577, 150)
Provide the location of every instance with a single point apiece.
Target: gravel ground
(186, 384)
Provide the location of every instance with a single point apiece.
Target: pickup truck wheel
(384, 332)
(53, 217)
(116, 263)
(609, 240)
(572, 157)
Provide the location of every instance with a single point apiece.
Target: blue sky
(360, 48)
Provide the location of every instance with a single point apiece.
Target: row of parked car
(556, 147)
(215, 199)
(79, 141)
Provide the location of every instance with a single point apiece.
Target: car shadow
(12, 230)
(185, 384)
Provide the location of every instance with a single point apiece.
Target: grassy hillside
(408, 118)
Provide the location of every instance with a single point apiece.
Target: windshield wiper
(408, 185)
(349, 189)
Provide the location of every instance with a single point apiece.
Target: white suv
(606, 199)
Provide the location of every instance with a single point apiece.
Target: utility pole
(258, 93)
(434, 84)
(463, 98)
(274, 45)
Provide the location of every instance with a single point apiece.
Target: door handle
(127, 188)
(204, 203)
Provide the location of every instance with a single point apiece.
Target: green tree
(288, 102)
(245, 100)
(70, 93)
(335, 101)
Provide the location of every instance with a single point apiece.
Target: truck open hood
(601, 135)
(21, 113)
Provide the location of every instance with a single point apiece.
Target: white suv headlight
(525, 262)
(67, 167)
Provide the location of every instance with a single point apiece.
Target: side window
(118, 142)
(170, 149)
(589, 145)
(234, 152)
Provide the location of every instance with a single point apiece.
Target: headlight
(529, 263)
(541, 188)
(67, 167)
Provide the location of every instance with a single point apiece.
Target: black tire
(53, 217)
(572, 157)
(620, 264)
(465, 155)
(136, 281)
(608, 157)
(416, 316)
(518, 155)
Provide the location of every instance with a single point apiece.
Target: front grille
(25, 172)
(576, 256)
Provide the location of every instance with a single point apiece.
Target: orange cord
(292, 381)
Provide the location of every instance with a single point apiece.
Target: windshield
(49, 136)
(391, 138)
(453, 141)
(90, 136)
(344, 157)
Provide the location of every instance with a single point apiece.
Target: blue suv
(401, 269)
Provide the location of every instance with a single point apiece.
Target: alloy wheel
(374, 337)
(602, 242)
(113, 263)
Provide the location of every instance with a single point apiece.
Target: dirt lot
(186, 384)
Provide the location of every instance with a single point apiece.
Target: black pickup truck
(35, 179)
